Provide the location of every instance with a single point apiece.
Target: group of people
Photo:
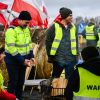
(62, 50)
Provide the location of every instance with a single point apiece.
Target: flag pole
(7, 20)
(39, 9)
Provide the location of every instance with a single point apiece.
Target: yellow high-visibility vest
(90, 33)
(1, 81)
(58, 37)
(89, 86)
(98, 43)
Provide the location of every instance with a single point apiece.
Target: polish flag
(3, 20)
(20, 5)
(3, 6)
(45, 21)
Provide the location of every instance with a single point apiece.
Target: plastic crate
(50, 93)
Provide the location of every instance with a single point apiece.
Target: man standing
(18, 51)
(90, 34)
(61, 44)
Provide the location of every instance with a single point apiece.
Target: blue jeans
(58, 68)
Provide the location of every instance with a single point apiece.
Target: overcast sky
(83, 8)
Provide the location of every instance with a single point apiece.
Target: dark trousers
(16, 74)
(58, 68)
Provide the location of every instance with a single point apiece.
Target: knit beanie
(65, 12)
(25, 15)
(89, 53)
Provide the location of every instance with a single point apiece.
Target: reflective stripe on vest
(89, 86)
(98, 43)
(90, 33)
(19, 42)
(85, 98)
(58, 37)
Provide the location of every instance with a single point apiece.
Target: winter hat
(89, 52)
(65, 12)
(24, 15)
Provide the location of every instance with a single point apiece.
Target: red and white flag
(3, 6)
(20, 5)
(3, 20)
(45, 21)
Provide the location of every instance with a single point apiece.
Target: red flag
(20, 5)
(3, 6)
(45, 21)
(3, 20)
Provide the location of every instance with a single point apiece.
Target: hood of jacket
(58, 20)
(14, 22)
(92, 65)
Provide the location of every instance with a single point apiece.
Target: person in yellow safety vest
(4, 95)
(90, 33)
(18, 51)
(98, 43)
(2, 55)
(84, 83)
(62, 44)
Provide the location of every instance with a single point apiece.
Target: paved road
(34, 96)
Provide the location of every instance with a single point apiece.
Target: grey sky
(89, 8)
(85, 8)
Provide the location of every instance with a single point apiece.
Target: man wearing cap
(61, 44)
(18, 51)
(84, 83)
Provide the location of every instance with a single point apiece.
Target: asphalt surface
(37, 95)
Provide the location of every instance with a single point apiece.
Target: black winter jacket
(92, 65)
(63, 53)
